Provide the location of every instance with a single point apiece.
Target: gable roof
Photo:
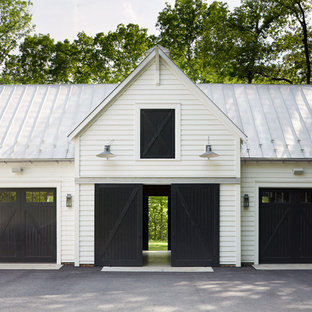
(35, 119)
(157, 51)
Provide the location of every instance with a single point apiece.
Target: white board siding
(257, 175)
(53, 175)
(118, 123)
(86, 224)
(228, 221)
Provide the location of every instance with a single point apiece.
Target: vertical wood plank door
(118, 224)
(28, 225)
(157, 133)
(195, 225)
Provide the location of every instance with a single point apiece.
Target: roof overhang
(267, 159)
(30, 160)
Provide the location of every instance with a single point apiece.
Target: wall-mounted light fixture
(107, 153)
(17, 170)
(298, 171)
(246, 201)
(69, 200)
(209, 153)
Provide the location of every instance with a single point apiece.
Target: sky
(64, 19)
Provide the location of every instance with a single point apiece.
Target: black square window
(157, 133)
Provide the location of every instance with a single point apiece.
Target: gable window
(157, 133)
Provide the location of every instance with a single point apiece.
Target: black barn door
(118, 224)
(27, 225)
(195, 225)
(285, 223)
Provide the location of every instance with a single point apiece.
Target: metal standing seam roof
(36, 119)
(277, 119)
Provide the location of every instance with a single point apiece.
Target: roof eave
(24, 160)
(270, 159)
(203, 96)
(115, 93)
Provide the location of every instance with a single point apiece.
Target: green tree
(293, 39)
(158, 217)
(251, 24)
(33, 64)
(180, 27)
(103, 58)
(15, 24)
(216, 46)
(119, 52)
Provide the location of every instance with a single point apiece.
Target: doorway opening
(156, 224)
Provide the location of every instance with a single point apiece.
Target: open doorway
(156, 224)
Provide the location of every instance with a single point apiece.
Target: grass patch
(157, 245)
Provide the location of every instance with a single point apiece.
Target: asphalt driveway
(88, 289)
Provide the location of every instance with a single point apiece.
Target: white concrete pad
(157, 269)
(290, 266)
(30, 266)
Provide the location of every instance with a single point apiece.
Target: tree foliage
(261, 41)
(158, 217)
(102, 58)
(15, 24)
(293, 39)
(251, 25)
(180, 29)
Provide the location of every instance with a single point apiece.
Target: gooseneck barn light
(209, 153)
(107, 153)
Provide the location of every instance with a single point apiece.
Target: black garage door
(27, 225)
(285, 226)
(195, 225)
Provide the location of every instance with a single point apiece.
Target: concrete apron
(30, 266)
(282, 266)
(156, 261)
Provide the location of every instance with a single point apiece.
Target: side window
(275, 197)
(157, 134)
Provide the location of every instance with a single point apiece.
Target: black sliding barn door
(118, 225)
(195, 225)
(27, 225)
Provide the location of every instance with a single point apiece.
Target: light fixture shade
(209, 153)
(107, 153)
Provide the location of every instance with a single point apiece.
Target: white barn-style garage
(61, 202)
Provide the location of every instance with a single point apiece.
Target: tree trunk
(161, 222)
(305, 43)
(155, 231)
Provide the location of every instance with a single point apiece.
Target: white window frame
(158, 105)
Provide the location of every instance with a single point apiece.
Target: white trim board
(159, 269)
(289, 266)
(30, 266)
(156, 180)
